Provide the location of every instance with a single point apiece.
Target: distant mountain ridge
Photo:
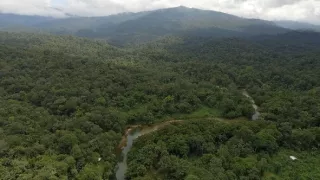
(7, 20)
(295, 25)
(135, 28)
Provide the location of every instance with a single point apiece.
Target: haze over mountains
(133, 28)
(68, 104)
(295, 25)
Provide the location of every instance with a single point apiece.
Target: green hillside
(174, 21)
(281, 73)
(295, 25)
(136, 28)
(66, 102)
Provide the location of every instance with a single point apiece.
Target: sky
(297, 10)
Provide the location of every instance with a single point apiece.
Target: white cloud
(303, 10)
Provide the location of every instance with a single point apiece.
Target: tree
(66, 142)
(91, 172)
(267, 139)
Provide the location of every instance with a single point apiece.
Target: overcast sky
(302, 10)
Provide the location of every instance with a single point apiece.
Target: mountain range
(132, 28)
(296, 25)
(222, 97)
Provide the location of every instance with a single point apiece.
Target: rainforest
(175, 103)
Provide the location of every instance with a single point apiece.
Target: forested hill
(11, 20)
(280, 72)
(294, 25)
(67, 45)
(65, 103)
(136, 28)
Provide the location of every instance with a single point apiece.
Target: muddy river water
(132, 134)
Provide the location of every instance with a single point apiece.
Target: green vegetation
(211, 149)
(65, 103)
(204, 112)
(305, 167)
(281, 73)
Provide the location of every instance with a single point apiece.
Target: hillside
(176, 21)
(10, 20)
(281, 73)
(66, 102)
(294, 25)
(136, 28)
(72, 98)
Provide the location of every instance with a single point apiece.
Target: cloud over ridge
(300, 10)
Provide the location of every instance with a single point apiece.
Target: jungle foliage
(65, 103)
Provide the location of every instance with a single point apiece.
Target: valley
(178, 93)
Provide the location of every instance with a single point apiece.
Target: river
(256, 114)
(122, 166)
(132, 134)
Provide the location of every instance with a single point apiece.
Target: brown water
(126, 144)
(256, 114)
(122, 166)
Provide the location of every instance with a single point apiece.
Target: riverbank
(135, 131)
(132, 133)
(256, 114)
(144, 129)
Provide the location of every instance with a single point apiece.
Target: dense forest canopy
(66, 102)
(76, 96)
(280, 72)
